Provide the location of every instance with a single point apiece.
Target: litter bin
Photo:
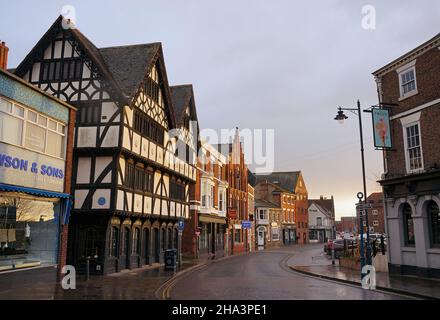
(170, 259)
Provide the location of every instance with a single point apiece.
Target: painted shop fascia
(36, 132)
(129, 186)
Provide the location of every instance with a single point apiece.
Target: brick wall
(427, 69)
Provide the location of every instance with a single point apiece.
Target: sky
(282, 65)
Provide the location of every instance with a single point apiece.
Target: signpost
(180, 227)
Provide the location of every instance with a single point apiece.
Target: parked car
(338, 245)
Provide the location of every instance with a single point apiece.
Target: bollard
(333, 254)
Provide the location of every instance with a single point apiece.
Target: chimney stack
(3, 55)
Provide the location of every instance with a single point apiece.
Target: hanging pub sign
(381, 128)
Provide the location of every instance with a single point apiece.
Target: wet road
(266, 275)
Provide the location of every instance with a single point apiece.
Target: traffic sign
(181, 224)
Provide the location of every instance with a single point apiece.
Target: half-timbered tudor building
(130, 187)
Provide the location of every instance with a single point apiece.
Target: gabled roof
(125, 67)
(286, 180)
(327, 204)
(181, 96)
(129, 64)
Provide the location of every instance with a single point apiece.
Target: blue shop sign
(19, 164)
(245, 224)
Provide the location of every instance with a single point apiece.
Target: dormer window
(407, 80)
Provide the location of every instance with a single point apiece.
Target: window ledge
(408, 95)
(409, 249)
(433, 250)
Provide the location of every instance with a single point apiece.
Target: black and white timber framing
(129, 184)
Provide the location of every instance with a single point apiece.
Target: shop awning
(212, 219)
(33, 191)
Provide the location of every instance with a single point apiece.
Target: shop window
(408, 225)
(164, 239)
(27, 231)
(170, 238)
(237, 235)
(434, 221)
(135, 248)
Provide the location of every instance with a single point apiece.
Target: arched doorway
(146, 246)
(170, 238)
(261, 235)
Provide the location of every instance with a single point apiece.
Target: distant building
(411, 181)
(268, 218)
(294, 200)
(376, 220)
(321, 219)
(347, 224)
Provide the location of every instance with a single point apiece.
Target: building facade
(376, 219)
(271, 193)
(321, 220)
(239, 224)
(130, 186)
(36, 142)
(294, 202)
(205, 234)
(268, 219)
(251, 210)
(347, 225)
(411, 181)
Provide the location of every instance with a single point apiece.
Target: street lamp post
(340, 117)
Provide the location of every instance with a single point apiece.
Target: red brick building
(376, 219)
(292, 196)
(239, 224)
(410, 86)
(347, 224)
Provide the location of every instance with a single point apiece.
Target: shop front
(211, 241)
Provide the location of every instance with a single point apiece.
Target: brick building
(239, 225)
(411, 181)
(294, 200)
(347, 224)
(376, 219)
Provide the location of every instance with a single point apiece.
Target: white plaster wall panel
(100, 165)
(57, 49)
(128, 119)
(172, 209)
(83, 172)
(86, 137)
(121, 172)
(167, 159)
(48, 52)
(111, 138)
(120, 201)
(90, 89)
(186, 192)
(136, 143)
(129, 196)
(147, 205)
(126, 139)
(137, 203)
(182, 167)
(86, 71)
(178, 210)
(101, 199)
(157, 176)
(108, 109)
(75, 85)
(186, 170)
(156, 209)
(105, 95)
(80, 196)
(36, 71)
(152, 155)
(159, 157)
(75, 54)
(67, 49)
(145, 148)
(166, 185)
(164, 211)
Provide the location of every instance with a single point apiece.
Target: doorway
(147, 246)
(127, 247)
(156, 245)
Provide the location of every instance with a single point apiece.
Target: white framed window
(407, 80)
(375, 223)
(221, 200)
(374, 212)
(262, 214)
(413, 147)
(27, 128)
(364, 223)
(204, 193)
